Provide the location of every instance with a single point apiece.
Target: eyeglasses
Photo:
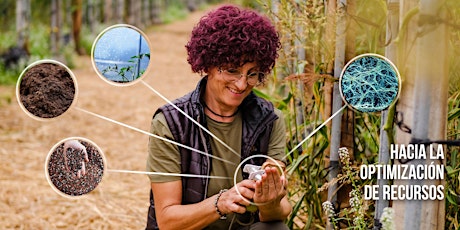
(232, 75)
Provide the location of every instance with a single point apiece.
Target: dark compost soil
(47, 90)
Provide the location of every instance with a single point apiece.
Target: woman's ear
(210, 72)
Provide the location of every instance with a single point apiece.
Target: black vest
(257, 121)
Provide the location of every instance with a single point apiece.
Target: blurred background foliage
(67, 30)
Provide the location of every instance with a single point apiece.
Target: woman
(235, 49)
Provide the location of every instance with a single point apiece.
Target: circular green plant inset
(369, 83)
(121, 54)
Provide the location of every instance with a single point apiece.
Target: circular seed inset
(46, 89)
(121, 54)
(370, 83)
(74, 167)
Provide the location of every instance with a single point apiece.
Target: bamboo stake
(337, 102)
(429, 115)
(22, 21)
(384, 157)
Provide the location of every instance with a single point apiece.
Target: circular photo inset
(75, 166)
(46, 89)
(369, 83)
(121, 54)
(253, 168)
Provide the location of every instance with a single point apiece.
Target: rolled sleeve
(163, 157)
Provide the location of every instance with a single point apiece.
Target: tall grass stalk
(296, 24)
(304, 24)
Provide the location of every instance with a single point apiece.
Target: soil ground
(27, 201)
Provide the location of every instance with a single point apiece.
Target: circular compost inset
(46, 89)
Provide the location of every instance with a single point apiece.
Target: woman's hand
(269, 194)
(230, 201)
(270, 189)
(75, 156)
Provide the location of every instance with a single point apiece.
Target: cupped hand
(270, 189)
(75, 156)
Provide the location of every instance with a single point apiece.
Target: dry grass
(27, 201)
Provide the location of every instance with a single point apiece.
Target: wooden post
(424, 104)
(119, 10)
(406, 63)
(22, 22)
(77, 6)
(330, 37)
(339, 63)
(348, 116)
(55, 27)
(107, 5)
(134, 13)
(392, 31)
(145, 18)
(431, 115)
(155, 8)
(90, 15)
(331, 9)
(299, 100)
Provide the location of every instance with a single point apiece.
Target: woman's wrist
(278, 211)
(216, 206)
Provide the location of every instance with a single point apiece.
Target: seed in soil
(65, 180)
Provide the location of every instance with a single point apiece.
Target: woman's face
(225, 93)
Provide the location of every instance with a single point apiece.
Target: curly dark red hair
(230, 37)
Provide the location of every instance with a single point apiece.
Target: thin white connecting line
(314, 131)
(228, 147)
(168, 174)
(190, 148)
(191, 119)
(153, 135)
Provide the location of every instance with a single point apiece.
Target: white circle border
(99, 72)
(54, 148)
(370, 55)
(46, 61)
(241, 164)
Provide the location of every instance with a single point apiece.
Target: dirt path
(27, 201)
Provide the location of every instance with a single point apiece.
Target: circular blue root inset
(369, 83)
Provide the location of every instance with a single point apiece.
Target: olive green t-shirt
(164, 157)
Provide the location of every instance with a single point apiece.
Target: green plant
(453, 164)
(452, 194)
(9, 76)
(300, 87)
(296, 88)
(356, 215)
(387, 219)
(129, 72)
